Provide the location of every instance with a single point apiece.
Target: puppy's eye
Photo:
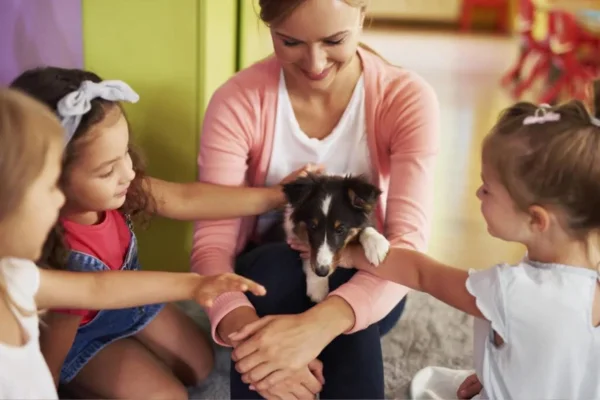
(313, 224)
(340, 229)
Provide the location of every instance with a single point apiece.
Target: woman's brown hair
(49, 85)
(554, 162)
(273, 12)
(27, 129)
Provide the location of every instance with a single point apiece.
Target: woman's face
(318, 40)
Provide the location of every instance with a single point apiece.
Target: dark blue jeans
(352, 364)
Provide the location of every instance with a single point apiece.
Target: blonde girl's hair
(27, 129)
(550, 156)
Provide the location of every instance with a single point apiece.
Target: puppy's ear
(299, 190)
(361, 193)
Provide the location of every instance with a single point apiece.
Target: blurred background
(479, 55)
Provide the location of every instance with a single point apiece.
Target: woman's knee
(279, 269)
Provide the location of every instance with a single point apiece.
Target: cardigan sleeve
(225, 145)
(410, 118)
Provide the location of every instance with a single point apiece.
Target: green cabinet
(174, 53)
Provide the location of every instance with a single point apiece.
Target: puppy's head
(330, 211)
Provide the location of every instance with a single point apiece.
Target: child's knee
(200, 369)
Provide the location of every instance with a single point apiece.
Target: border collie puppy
(329, 212)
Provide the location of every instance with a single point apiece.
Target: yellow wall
(255, 38)
(162, 49)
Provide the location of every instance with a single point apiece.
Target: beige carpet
(429, 333)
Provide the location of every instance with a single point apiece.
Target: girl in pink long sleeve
(326, 99)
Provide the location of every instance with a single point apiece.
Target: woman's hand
(304, 384)
(210, 287)
(469, 388)
(300, 246)
(276, 347)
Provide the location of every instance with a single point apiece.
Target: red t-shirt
(108, 241)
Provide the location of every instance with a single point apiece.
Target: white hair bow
(77, 103)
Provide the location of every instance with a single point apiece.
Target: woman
(321, 98)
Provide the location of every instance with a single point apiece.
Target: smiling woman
(322, 98)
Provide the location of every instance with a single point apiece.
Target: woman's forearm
(198, 200)
(333, 316)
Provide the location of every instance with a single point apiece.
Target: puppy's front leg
(317, 288)
(375, 245)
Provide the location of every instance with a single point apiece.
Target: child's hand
(213, 286)
(469, 388)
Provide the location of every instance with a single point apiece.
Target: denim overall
(108, 325)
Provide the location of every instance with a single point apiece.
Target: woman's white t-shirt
(24, 373)
(344, 151)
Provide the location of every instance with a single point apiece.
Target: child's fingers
(217, 285)
(469, 388)
(246, 284)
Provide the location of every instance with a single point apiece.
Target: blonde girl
(31, 148)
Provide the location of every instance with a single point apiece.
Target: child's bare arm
(197, 200)
(57, 332)
(122, 289)
(420, 272)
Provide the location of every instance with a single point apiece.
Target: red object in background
(569, 43)
(529, 47)
(500, 6)
(562, 51)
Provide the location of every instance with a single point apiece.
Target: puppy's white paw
(375, 245)
(317, 288)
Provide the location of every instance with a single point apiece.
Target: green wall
(255, 40)
(174, 53)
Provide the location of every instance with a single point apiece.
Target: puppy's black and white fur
(329, 212)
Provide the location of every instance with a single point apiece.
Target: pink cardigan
(402, 117)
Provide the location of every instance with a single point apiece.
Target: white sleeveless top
(24, 373)
(543, 312)
(343, 151)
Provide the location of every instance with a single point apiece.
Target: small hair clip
(595, 121)
(542, 114)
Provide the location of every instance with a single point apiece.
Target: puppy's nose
(322, 270)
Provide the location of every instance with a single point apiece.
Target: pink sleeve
(224, 148)
(412, 121)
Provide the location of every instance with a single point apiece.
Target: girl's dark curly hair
(49, 85)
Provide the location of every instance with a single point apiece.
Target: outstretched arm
(421, 272)
(122, 289)
(201, 201)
